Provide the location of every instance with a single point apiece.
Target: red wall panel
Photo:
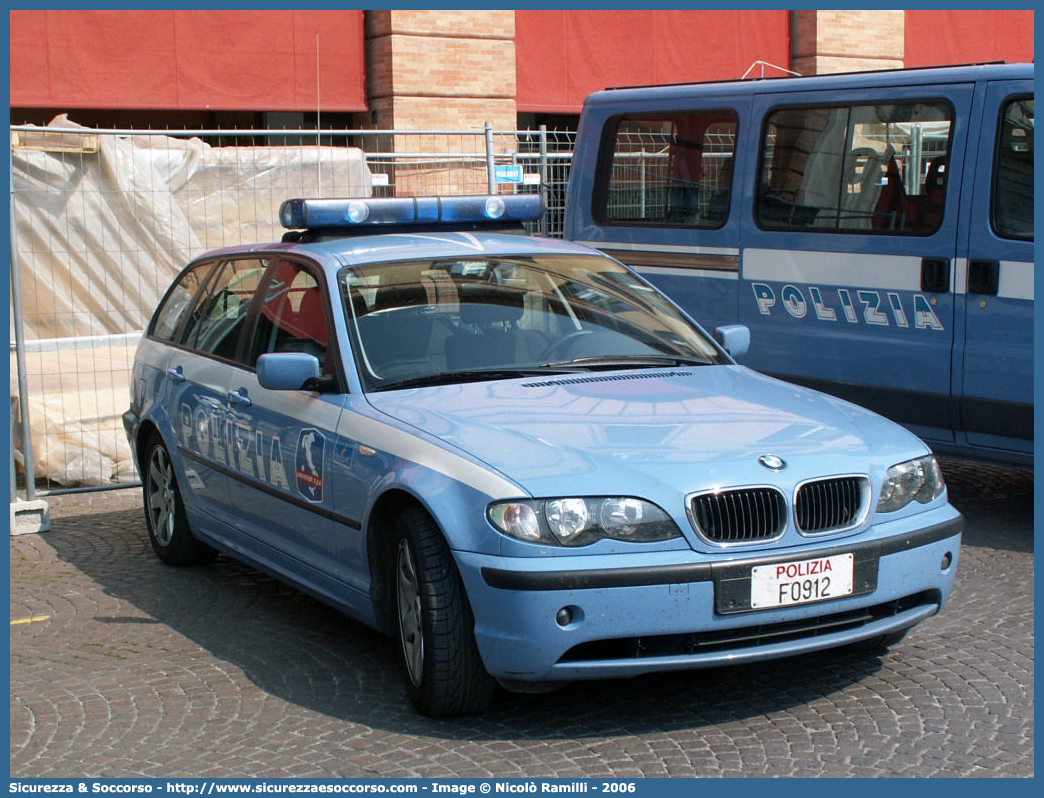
(562, 56)
(935, 38)
(188, 60)
(251, 60)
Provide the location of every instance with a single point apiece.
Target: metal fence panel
(102, 220)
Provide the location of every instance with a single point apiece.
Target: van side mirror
(733, 338)
(288, 371)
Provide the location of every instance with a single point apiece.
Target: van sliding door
(847, 265)
(995, 275)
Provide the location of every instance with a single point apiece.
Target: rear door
(996, 275)
(197, 380)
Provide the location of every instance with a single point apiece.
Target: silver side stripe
(882, 272)
(1016, 280)
(382, 436)
(669, 248)
(665, 270)
(705, 262)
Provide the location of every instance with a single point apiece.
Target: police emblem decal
(309, 465)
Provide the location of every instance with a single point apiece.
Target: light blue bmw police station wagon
(517, 457)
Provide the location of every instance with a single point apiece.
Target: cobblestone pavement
(122, 667)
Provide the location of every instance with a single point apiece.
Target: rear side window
(672, 169)
(220, 311)
(170, 314)
(1013, 175)
(856, 168)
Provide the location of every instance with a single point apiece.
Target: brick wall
(846, 41)
(441, 69)
(476, 24)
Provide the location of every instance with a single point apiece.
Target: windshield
(435, 322)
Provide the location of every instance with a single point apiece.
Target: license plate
(784, 584)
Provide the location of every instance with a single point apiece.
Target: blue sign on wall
(507, 174)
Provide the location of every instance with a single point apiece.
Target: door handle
(176, 374)
(239, 398)
(935, 275)
(983, 277)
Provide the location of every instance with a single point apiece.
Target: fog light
(947, 560)
(564, 617)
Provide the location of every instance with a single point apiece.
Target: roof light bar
(313, 214)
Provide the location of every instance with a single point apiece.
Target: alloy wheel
(411, 628)
(161, 495)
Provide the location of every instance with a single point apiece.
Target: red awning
(188, 60)
(562, 56)
(936, 38)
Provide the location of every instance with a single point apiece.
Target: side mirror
(733, 338)
(287, 371)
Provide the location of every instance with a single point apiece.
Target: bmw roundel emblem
(771, 462)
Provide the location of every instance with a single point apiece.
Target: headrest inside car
(488, 303)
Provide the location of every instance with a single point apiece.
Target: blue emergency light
(313, 214)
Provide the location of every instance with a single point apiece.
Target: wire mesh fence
(102, 221)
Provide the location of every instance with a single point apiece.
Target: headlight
(575, 521)
(917, 480)
(567, 518)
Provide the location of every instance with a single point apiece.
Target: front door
(285, 440)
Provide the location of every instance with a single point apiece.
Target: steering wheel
(558, 350)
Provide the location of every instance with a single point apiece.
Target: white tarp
(102, 233)
(103, 224)
(77, 396)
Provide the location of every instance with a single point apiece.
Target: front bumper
(131, 423)
(570, 618)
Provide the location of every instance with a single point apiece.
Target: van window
(1013, 177)
(859, 168)
(668, 169)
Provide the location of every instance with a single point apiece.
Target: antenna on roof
(762, 65)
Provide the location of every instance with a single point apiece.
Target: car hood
(651, 432)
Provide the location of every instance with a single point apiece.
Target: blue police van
(874, 231)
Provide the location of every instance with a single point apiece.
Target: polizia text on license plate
(800, 581)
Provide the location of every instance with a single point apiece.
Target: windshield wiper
(473, 375)
(596, 362)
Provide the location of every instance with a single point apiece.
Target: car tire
(443, 669)
(165, 518)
